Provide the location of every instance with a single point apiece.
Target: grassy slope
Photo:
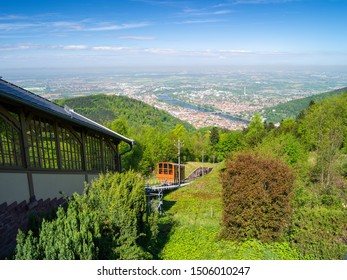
(195, 212)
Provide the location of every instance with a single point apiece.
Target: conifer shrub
(256, 197)
(109, 221)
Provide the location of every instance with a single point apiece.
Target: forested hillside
(292, 108)
(106, 108)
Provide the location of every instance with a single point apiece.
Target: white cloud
(108, 48)
(48, 23)
(203, 12)
(17, 26)
(222, 12)
(236, 51)
(67, 25)
(118, 27)
(75, 47)
(161, 51)
(12, 17)
(203, 15)
(199, 21)
(15, 47)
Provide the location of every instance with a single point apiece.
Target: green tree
(120, 126)
(287, 126)
(323, 129)
(200, 142)
(214, 136)
(255, 131)
(285, 146)
(232, 141)
(180, 133)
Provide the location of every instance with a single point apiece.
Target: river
(168, 99)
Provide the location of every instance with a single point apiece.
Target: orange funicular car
(170, 173)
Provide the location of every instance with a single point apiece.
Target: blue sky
(84, 33)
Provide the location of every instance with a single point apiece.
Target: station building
(47, 151)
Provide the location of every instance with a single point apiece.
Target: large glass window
(93, 153)
(70, 150)
(110, 157)
(42, 144)
(52, 145)
(10, 150)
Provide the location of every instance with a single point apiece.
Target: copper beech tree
(256, 196)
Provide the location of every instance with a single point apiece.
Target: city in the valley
(222, 97)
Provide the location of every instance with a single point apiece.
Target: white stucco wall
(13, 187)
(50, 185)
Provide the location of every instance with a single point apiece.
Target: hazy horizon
(182, 69)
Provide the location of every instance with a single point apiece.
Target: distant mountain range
(292, 108)
(106, 108)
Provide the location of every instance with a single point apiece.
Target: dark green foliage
(320, 232)
(256, 197)
(71, 236)
(108, 222)
(287, 126)
(119, 201)
(293, 108)
(214, 136)
(106, 108)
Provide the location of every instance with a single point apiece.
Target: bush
(71, 236)
(320, 233)
(108, 222)
(256, 196)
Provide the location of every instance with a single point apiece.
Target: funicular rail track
(157, 191)
(162, 188)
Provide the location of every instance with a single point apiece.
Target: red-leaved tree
(256, 196)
